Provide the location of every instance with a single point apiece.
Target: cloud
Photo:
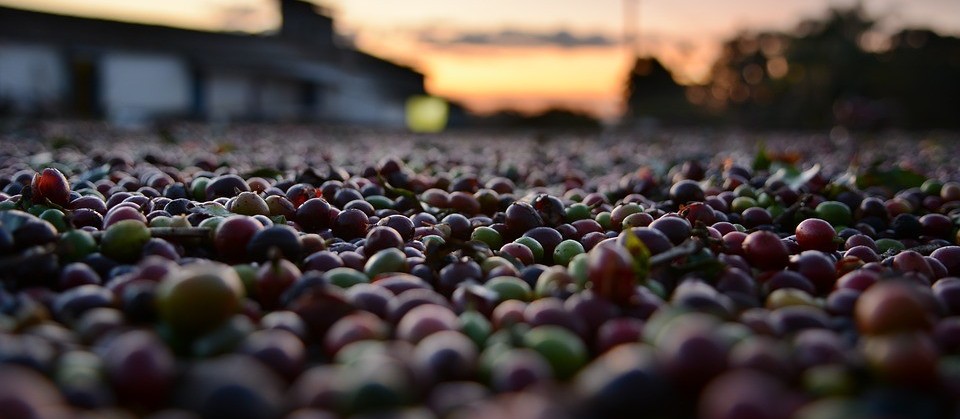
(519, 38)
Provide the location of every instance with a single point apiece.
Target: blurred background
(790, 64)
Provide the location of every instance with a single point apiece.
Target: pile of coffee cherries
(293, 273)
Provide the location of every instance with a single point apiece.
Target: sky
(530, 54)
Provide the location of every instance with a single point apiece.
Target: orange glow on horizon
(487, 74)
(530, 79)
(537, 79)
(540, 72)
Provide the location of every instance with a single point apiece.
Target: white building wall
(229, 96)
(356, 99)
(279, 99)
(136, 87)
(32, 76)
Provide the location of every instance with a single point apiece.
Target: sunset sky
(529, 54)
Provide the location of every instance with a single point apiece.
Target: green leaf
(264, 172)
(895, 178)
(793, 177)
(279, 219)
(95, 173)
(805, 177)
(394, 191)
(641, 256)
(702, 262)
(41, 159)
(212, 209)
(761, 161)
(847, 178)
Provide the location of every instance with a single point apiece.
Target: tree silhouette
(652, 93)
(821, 75)
(923, 76)
(548, 119)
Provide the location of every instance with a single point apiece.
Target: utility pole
(631, 27)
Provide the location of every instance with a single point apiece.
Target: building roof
(267, 54)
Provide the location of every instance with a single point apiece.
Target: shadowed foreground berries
(360, 274)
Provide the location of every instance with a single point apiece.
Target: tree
(773, 79)
(651, 92)
(922, 79)
(821, 75)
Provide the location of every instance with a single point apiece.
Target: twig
(180, 232)
(923, 249)
(686, 248)
(786, 218)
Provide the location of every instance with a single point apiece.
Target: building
(126, 72)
